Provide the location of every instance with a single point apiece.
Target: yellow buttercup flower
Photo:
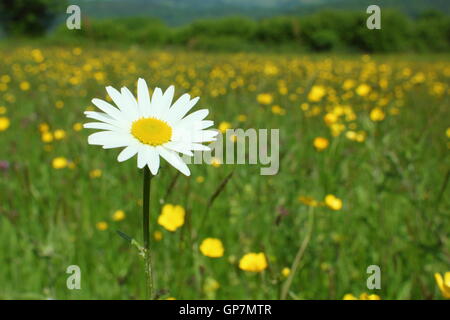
(212, 247)
(448, 132)
(363, 296)
(333, 202)
(286, 272)
(330, 118)
(283, 90)
(99, 76)
(215, 162)
(418, 78)
(211, 285)
(348, 84)
(4, 123)
(37, 55)
(118, 215)
(264, 98)
(5, 78)
(443, 283)
(270, 69)
(336, 128)
(253, 262)
(77, 126)
(59, 104)
(242, 118)
(102, 225)
(309, 201)
(3, 110)
(24, 86)
(157, 235)
(47, 137)
(363, 90)
(377, 114)
(304, 106)
(360, 136)
(351, 135)
(321, 143)
(223, 126)
(59, 163)
(171, 217)
(44, 127)
(59, 134)
(276, 109)
(316, 93)
(200, 179)
(95, 173)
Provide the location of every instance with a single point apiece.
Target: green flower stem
(298, 257)
(146, 229)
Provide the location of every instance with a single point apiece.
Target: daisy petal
(179, 147)
(108, 138)
(101, 126)
(117, 144)
(107, 108)
(172, 158)
(152, 160)
(100, 116)
(143, 97)
(182, 106)
(141, 158)
(131, 102)
(199, 147)
(127, 153)
(165, 102)
(204, 124)
(128, 110)
(116, 97)
(155, 102)
(195, 116)
(203, 136)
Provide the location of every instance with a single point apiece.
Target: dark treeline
(322, 31)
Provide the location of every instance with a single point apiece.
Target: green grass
(393, 185)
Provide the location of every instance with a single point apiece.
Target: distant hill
(410, 7)
(178, 12)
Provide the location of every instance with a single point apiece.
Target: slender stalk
(146, 229)
(298, 257)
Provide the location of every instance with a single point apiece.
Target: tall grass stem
(298, 256)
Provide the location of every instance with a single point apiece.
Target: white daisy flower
(150, 128)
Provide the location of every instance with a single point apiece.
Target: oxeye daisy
(150, 127)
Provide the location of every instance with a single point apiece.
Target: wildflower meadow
(224, 150)
(362, 179)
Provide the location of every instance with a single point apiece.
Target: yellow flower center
(151, 131)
